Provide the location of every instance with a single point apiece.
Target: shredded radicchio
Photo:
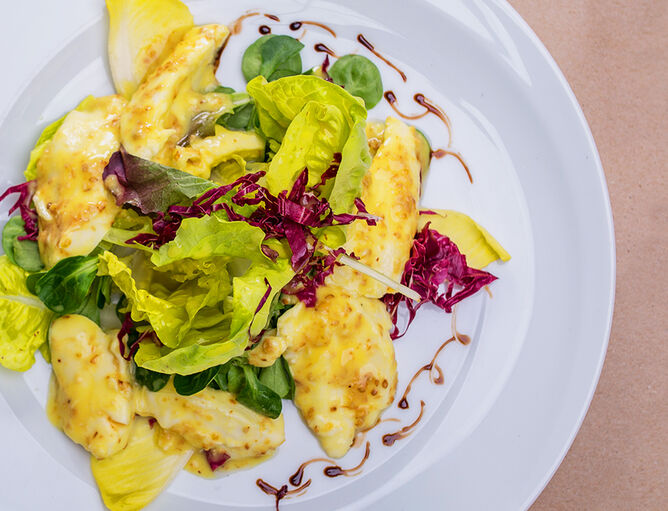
(129, 348)
(435, 260)
(305, 283)
(216, 459)
(289, 215)
(28, 214)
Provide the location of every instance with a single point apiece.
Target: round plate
(512, 401)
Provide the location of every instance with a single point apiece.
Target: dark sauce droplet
(333, 471)
(321, 48)
(272, 17)
(264, 29)
(365, 42)
(391, 438)
(295, 25)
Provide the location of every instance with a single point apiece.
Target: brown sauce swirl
(430, 108)
(282, 492)
(321, 48)
(390, 438)
(364, 42)
(237, 25)
(333, 470)
(440, 153)
(272, 17)
(435, 372)
(296, 25)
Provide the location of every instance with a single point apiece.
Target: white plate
(513, 400)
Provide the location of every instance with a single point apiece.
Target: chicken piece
(176, 94)
(391, 191)
(342, 361)
(212, 419)
(75, 209)
(91, 395)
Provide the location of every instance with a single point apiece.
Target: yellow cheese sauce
(342, 360)
(75, 209)
(390, 191)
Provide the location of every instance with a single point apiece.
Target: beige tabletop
(614, 54)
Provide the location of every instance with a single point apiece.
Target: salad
(187, 256)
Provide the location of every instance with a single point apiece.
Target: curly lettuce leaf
(217, 346)
(174, 314)
(291, 111)
(24, 321)
(212, 236)
(472, 240)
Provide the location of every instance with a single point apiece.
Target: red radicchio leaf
(216, 459)
(127, 326)
(435, 260)
(305, 283)
(28, 214)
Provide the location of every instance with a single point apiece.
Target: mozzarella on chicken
(156, 123)
(91, 395)
(75, 209)
(391, 190)
(213, 419)
(342, 360)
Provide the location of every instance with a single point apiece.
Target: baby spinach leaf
(359, 76)
(241, 379)
(64, 288)
(257, 396)
(271, 53)
(224, 90)
(242, 118)
(278, 378)
(193, 383)
(150, 379)
(23, 253)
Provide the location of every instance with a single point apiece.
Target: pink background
(614, 54)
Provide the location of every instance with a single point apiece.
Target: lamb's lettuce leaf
(24, 321)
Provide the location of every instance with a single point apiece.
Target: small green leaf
(242, 119)
(224, 90)
(23, 253)
(150, 379)
(359, 76)
(193, 383)
(269, 54)
(257, 396)
(64, 288)
(278, 378)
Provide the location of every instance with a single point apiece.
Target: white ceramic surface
(513, 400)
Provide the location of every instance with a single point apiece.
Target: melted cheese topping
(75, 209)
(91, 396)
(213, 419)
(342, 360)
(391, 191)
(160, 111)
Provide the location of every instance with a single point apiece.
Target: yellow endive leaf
(130, 479)
(141, 34)
(473, 240)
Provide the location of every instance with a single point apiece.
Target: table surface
(613, 53)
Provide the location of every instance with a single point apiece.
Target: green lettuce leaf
(218, 345)
(312, 119)
(211, 236)
(172, 313)
(24, 321)
(23, 253)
